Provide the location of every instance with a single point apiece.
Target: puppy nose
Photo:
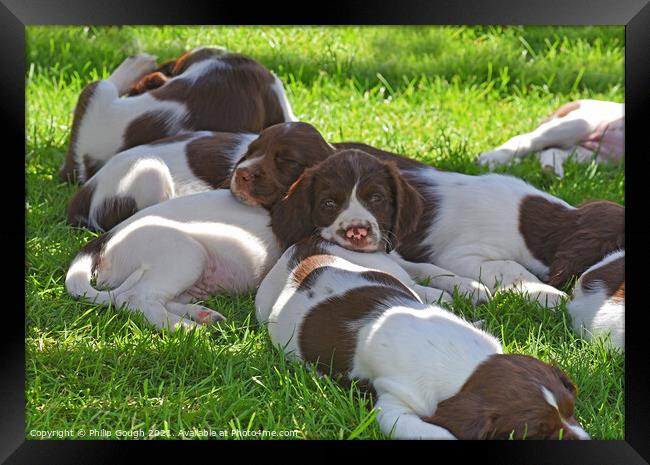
(356, 232)
(243, 175)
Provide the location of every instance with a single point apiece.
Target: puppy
(493, 228)
(362, 204)
(435, 375)
(207, 89)
(598, 304)
(166, 256)
(152, 173)
(590, 129)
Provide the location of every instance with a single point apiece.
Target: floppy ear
(578, 252)
(291, 216)
(465, 417)
(409, 206)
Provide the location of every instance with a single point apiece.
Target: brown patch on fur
(402, 162)
(148, 127)
(149, 82)
(79, 206)
(210, 158)
(68, 171)
(415, 246)
(92, 166)
(298, 214)
(328, 336)
(194, 56)
(232, 98)
(95, 248)
(562, 111)
(504, 396)
(308, 269)
(114, 210)
(568, 240)
(610, 276)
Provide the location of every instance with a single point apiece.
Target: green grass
(439, 94)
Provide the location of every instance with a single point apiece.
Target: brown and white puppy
(492, 228)
(207, 89)
(586, 129)
(434, 375)
(360, 203)
(152, 173)
(598, 305)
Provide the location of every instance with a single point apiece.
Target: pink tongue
(356, 233)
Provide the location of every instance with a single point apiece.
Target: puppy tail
(80, 274)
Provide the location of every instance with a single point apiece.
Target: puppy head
(514, 396)
(275, 160)
(351, 199)
(598, 231)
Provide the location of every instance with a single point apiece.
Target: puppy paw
(495, 157)
(131, 71)
(473, 290)
(198, 313)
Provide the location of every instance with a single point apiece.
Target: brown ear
(291, 216)
(465, 417)
(578, 252)
(409, 206)
(566, 382)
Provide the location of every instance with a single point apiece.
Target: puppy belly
(220, 276)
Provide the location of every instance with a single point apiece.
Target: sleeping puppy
(163, 257)
(362, 204)
(207, 89)
(168, 255)
(152, 173)
(495, 229)
(435, 376)
(598, 304)
(589, 129)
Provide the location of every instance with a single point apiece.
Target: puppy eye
(376, 197)
(288, 162)
(329, 204)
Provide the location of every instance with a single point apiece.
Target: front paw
(474, 290)
(495, 157)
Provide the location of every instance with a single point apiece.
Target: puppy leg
(130, 71)
(429, 295)
(401, 422)
(198, 313)
(173, 263)
(154, 311)
(554, 158)
(558, 132)
(508, 274)
(444, 279)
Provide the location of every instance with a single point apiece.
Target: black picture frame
(633, 14)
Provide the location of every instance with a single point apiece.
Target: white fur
(595, 314)
(278, 89)
(150, 174)
(475, 234)
(561, 136)
(415, 354)
(154, 259)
